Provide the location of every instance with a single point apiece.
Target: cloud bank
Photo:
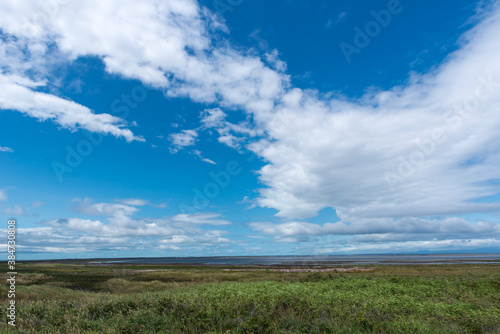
(112, 226)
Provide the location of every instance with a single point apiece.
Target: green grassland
(69, 298)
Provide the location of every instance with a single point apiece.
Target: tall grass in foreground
(419, 301)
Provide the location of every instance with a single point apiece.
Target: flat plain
(122, 298)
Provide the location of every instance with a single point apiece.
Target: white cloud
(16, 211)
(3, 195)
(199, 155)
(169, 247)
(135, 202)
(62, 241)
(127, 227)
(106, 209)
(208, 239)
(119, 222)
(272, 58)
(383, 227)
(384, 235)
(37, 204)
(332, 22)
(119, 230)
(166, 44)
(183, 139)
(66, 113)
(230, 141)
(215, 118)
(25, 66)
(6, 149)
(201, 218)
(161, 205)
(118, 226)
(354, 156)
(449, 245)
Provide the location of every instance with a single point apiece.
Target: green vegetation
(64, 298)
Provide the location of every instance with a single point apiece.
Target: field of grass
(65, 298)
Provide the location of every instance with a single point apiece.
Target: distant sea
(315, 260)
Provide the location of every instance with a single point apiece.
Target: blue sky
(184, 128)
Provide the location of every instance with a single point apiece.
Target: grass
(54, 298)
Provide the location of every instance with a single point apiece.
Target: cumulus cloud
(165, 44)
(73, 236)
(430, 147)
(119, 226)
(119, 221)
(124, 226)
(3, 195)
(118, 229)
(61, 241)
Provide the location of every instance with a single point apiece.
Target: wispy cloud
(37, 204)
(201, 218)
(6, 149)
(232, 135)
(16, 211)
(183, 139)
(66, 113)
(333, 21)
(386, 228)
(106, 209)
(135, 202)
(199, 155)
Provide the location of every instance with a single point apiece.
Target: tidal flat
(65, 297)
